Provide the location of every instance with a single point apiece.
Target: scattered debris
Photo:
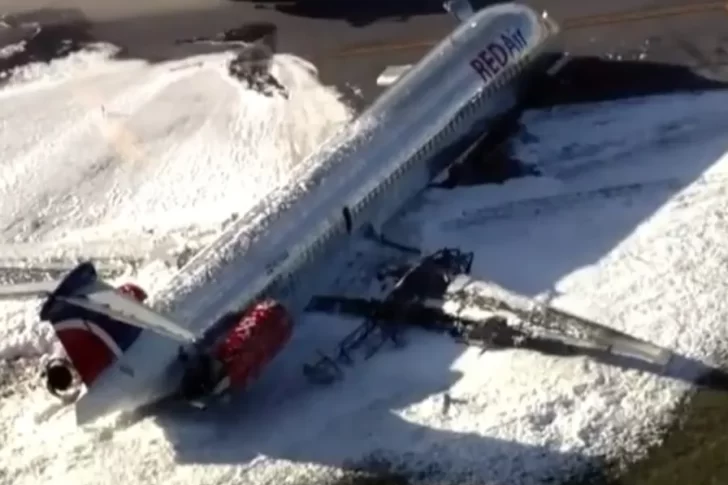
(255, 43)
(437, 295)
(251, 66)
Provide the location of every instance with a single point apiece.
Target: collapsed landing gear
(198, 381)
(428, 278)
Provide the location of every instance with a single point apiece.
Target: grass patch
(694, 451)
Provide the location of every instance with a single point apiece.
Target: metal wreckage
(437, 294)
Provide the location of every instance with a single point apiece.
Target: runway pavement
(352, 42)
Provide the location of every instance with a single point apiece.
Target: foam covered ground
(626, 227)
(128, 162)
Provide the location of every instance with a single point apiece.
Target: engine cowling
(61, 379)
(259, 335)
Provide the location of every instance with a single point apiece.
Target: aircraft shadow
(362, 12)
(177, 35)
(353, 423)
(679, 367)
(584, 79)
(590, 79)
(357, 13)
(558, 253)
(573, 101)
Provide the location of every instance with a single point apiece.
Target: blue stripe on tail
(93, 341)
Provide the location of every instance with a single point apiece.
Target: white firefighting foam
(123, 152)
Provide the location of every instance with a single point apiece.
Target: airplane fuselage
(366, 172)
(360, 178)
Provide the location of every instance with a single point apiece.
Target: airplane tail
(92, 340)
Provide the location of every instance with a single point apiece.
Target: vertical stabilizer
(92, 340)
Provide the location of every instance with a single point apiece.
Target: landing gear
(405, 302)
(198, 380)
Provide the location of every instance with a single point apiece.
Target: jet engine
(60, 376)
(254, 337)
(61, 379)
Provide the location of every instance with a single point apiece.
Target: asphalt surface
(352, 42)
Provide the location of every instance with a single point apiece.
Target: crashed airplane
(121, 354)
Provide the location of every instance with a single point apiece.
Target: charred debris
(436, 294)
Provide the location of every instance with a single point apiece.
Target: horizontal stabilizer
(27, 290)
(391, 74)
(130, 312)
